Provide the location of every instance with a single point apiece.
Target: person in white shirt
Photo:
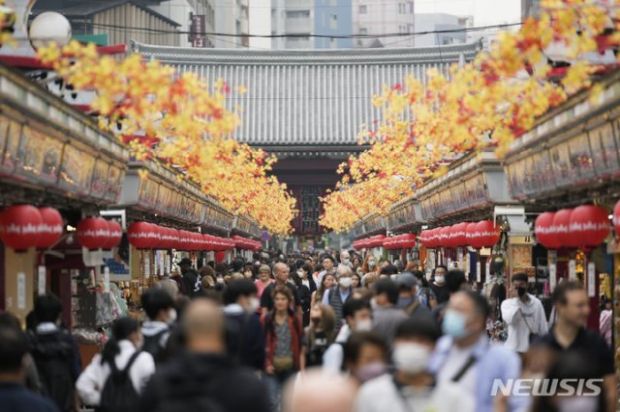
(358, 317)
(122, 348)
(412, 387)
(524, 314)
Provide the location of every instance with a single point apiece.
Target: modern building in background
(437, 22)
(529, 8)
(298, 19)
(380, 17)
(260, 24)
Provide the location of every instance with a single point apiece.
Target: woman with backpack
(114, 379)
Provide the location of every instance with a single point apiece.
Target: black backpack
(152, 344)
(119, 394)
(54, 357)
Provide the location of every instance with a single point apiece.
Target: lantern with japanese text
(93, 233)
(561, 223)
(588, 226)
(115, 234)
(545, 231)
(142, 235)
(19, 226)
(50, 229)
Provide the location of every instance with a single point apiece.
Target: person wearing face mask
(439, 287)
(411, 387)
(245, 339)
(465, 356)
(386, 315)
(366, 356)
(370, 264)
(358, 317)
(408, 297)
(304, 290)
(328, 263)
(345, 259)
(524, 314)
(121, 354)
(161, 312)
(338, 295)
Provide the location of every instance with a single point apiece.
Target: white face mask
(578, 404)
(254, 304)
(172, 315)
(345, 282)
(363, 325)
(439, 279)
(411, 358)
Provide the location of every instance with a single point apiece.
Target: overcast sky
(485, 12)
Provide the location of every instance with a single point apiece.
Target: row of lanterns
(583, 227)
(369, 243)
(25, 226)
(476, 234)
(144, 235)
(404, 241)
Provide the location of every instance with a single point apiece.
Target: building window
(333, 22)
(297, 14)
(410, 28)
(362, 9)
(402, 28)
(402, 8)
(410, 7)
(363, 30)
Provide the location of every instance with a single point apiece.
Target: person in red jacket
(283, 335)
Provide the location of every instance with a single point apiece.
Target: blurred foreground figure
(204, 378)
(316, 391)
(14, 396)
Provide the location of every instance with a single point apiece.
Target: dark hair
(121, 329)
(237, 264)
(308, 268)
(389, 270)
(238, 288)
(439, 266)
(221, 269)
(388, 287)
(8, 319)
(420, 276)
(519, 277)
(330, 257)
(354, 305)
(480, 302)
(13, 347)
(421, 327)
(353, 345)
(155, 300)
(562, 289)
(455, 278)
(47, 308)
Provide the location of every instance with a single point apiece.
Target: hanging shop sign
(247, 226)
(403, 214)
(474, 183)
(46, 143)
(574, 146)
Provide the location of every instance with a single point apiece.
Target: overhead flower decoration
(487, 103)
(7, 22)
(177, 120)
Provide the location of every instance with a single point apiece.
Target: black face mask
(521, 291)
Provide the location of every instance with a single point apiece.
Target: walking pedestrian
(281, 273)
(114, 379)
(14, 397)
(524, 314)
(337, 296)
(55, 353)
(408, 299)
(204, 377)
(329, 280)
(191, 280)
(386, 316)
(161, 313)
(318, 335)
(439, 287)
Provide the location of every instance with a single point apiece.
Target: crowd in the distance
(314, 332)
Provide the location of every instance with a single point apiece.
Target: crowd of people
(314, 332)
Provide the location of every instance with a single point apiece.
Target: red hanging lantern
(459, 234)
(545, 231)
(617, 218)
(142, 235)
(489, 233)
(115, 234)
(407, 241)
(444, 236)
(431, 238)
(93, 233)
(589, 226)
(50, 229)
(559, 230)
(19, 227)
(470, 235)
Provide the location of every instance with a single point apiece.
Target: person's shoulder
(36, 402)
(594, 340)
(377, 387)
(451, 394)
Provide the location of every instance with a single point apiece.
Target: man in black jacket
(204, 378)
(191, 279)
(244, 333)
